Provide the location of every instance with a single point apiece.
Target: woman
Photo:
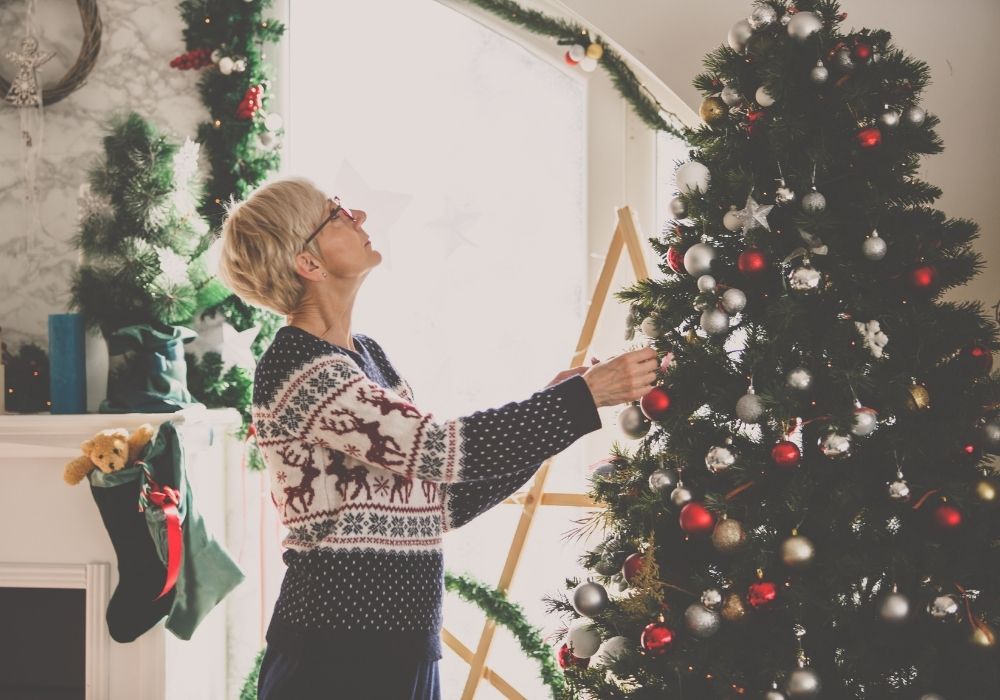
(364, 480)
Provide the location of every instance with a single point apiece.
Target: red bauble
(696, 519)
(675, 259)
(977, 358)
(754, 120)
(569, 59)
(869, 138)
(761, 593)
(656, 638)
(923, 278)
(567, 658)
(632, 566)
(786, 454)
(655, 403)
(752, 262)
(947, 517)
(862, 52)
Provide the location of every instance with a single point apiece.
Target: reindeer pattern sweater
(366, 483)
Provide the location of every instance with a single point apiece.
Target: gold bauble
(733, 609)
(728, 536)
(713, 110)
(983, 636)
(918, 398)
(986, 491)
(595, 51)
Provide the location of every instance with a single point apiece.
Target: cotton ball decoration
(693, 177)
(583, 638)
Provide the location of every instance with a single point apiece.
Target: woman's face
(345, 246)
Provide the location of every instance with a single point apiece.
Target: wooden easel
(625, 235)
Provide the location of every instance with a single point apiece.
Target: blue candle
(67, 364)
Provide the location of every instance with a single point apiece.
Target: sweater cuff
(579, 400)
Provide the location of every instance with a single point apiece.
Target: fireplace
(55, 642)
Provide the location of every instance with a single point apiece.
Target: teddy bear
(110, 450)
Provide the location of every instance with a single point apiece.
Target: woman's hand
(566, 374)
(623, 378)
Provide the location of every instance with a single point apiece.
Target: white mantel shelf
(47, 435)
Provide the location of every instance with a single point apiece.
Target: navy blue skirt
(286, 677)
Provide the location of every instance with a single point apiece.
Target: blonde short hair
(261, 237)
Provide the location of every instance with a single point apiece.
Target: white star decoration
(236, 346)
(754, 215)
(454, 221)
(384, 207)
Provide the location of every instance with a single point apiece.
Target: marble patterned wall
(132, 72)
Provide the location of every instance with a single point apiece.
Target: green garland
(635, 93)
(498, 608)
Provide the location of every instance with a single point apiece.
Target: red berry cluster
(251, 102)
(192, 60)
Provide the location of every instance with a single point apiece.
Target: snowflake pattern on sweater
(367, 483)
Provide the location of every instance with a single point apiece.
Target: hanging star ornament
(754, 215)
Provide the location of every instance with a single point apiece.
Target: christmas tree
(144, 244)
(809, 510)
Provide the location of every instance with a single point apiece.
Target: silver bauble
(749, 408)
(583, 639)
(763, 97)
(874, 246)
(774, 695)
(989, 433)
(609, 651)
(662, 479)
(680, 496)
(731, 96)
(797, 552)
(739, 34)
(899, 490)
(844, 61)
(590, 599)
(805, 279)
(693, 177)
(865, 422)
(814, 203)
(719, 459)
(803, 683)
(711, 598)
(819, 74)
(889, 118)
(706, 283)
(762, 16)
(784, 195)
(944, 608)
(698, 259)
(914, 115)
(634, 423)
(714, 321)
(894, 608)
(732, 221)
(649, 327)
(803, 25)
(603, 470)
(700, 621)
(799, 378)
(678, 208)
(734, 300)
(835, 446)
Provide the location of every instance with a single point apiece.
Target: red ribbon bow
(168, 499)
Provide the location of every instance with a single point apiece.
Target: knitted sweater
(366, 483)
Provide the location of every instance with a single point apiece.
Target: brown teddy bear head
(108, 450)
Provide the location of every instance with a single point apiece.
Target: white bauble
(582, 638)
(693, 177)
(225, 65)
(763, 97)
(588, 64)
(803, 25)
(706, 283)
(609, 651)
(731, 96)
(732, 220)
(734, 300)
(698, 259)
(714, 321)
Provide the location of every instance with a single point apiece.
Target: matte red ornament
(675, 259)
(632, 566)
(569, 59)
(862, 51)
(923, 278)
(752, 262)
(567, 658)
(786, 454)
(655, 403)
(977, 358)
(947, 517)
(761, 593)
(656, 638)
(696, 519)
(869, 138)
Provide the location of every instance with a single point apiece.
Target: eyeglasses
(337, 209)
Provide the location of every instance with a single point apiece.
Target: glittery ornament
(714, 321)
(662, 480)
(719, 458)
(799, 378)
(944, 608)
(733, 300)
(835, 445)
(819, 74)
(728, 536)
(749, 408)
(874, 247)
(761, 593)
(711, 598)
(700, 621)
(713, 111)
(733, 609)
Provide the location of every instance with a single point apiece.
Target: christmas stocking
(134, 607)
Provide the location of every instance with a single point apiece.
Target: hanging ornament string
(974, 621)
